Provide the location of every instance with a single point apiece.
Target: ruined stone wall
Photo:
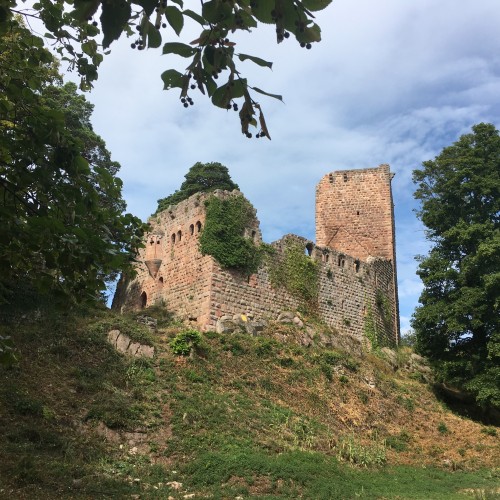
(357, 293)
(182, 280)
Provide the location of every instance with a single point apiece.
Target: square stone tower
(355, 215)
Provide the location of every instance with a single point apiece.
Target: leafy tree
(457, 324)
(62, 226)
(76, 27)
(202, 177)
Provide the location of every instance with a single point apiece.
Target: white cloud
(392, 82)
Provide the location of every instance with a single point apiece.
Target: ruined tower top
(354, 213)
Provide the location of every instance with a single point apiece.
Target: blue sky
(391, 82)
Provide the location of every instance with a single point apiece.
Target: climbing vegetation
(296, 272)
(223, 236)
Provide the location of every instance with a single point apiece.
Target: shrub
(183, 342)
(442, 428)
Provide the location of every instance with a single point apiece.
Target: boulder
(286, 317)
(226, 325)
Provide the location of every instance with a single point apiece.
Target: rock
(146, 351)
(122, 343)
(391, 357)
(133, 348)
(286, 317)
(175, 485)
(298, 322)
(150, 322)
(254, 327)
(113, 337)
(225, 325)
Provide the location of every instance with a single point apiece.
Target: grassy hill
(241, 417)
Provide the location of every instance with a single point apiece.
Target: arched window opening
(309, 249)
(161, 280)
(198, 226)
(356, 265)
(172, 238)
(179, 235)
(144, 300)
(152, 241)
(191, 229)
(327, 257)
(254, 235)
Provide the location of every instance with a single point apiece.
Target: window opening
(191, 229)
(356, 265)
(179, 235)
(144, 300)
(172, 238)
(345, 177)
(198, 226)
(309, 249)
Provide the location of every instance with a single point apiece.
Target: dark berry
(228, 106)
(286, 34)
(308, 46)
(193, 86)
(302, 44)
(183, 100)
(164, 25)
(132, 45)
(94, 23)
(186, 105)
(235, 107)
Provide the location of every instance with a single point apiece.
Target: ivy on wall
(296, 272)
(223, 236)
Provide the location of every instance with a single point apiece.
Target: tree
(62, 226)
(458, 322)
(76, 26)
(202, 177)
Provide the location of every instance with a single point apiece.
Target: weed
(442, 428)
(184, 342)
(490, 431)
(363, 397)
(399, 442)
(352, 451)
(343, 379)
(406, 403)
(265, 347)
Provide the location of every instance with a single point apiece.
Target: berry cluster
(187, 101)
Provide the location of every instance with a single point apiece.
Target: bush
(183, 343)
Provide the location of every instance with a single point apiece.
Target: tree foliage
(202, 177)
(458, 322)
(62, 226)
(83, 30)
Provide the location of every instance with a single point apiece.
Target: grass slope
(242, 417)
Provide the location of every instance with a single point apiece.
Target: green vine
(223, 235)
(297, 273)
(370, 329)
(385, 308)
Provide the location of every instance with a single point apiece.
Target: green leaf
(171, 79)
(310, 34)
(154, 36)
(262, 9)
(256, 60)
(195, 16)
(315, 5)
(147, 5)
(225, 93)
(275, 96)
(216, 11)
(180, 3)
(114, 17)
(181, 49)
(175, 19)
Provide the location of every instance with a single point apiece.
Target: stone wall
(354, 212)
(354, 291)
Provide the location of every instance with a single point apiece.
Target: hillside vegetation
(240, 417)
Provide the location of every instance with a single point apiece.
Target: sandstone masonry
(355, 252)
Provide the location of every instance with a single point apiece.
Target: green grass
(243, 416)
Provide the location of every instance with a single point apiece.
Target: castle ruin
(354, 251)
